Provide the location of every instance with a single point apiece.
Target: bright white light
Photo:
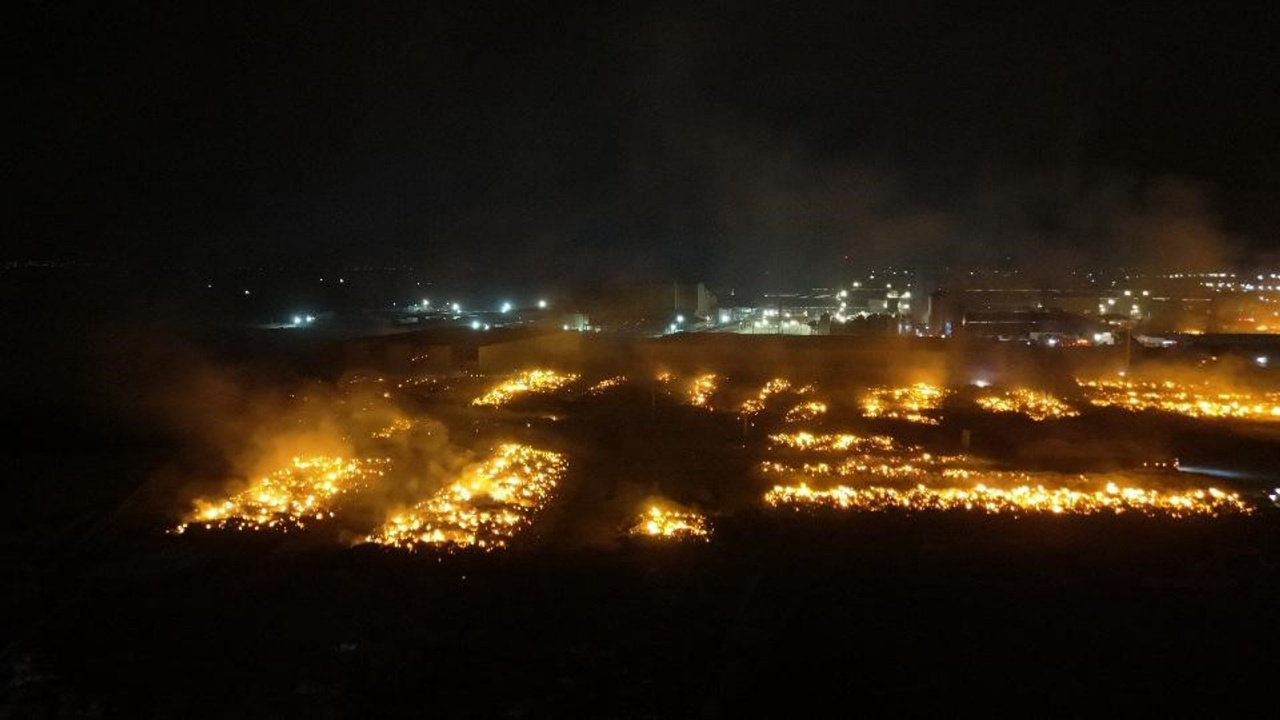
(475, 324)
(564, 327)
(311, 318)
(857, 284)
(456, 307)
(671, 327)
(297, 320)
(1051, 342)
(342, 280)
(982, 383)
(246, 292)
(486, 326)
(506, 307)
(679, 318)
(845, 293)
(1261, 360)
(542, 304)
(426, 303)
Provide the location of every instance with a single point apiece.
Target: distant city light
(564, 327)
(506, 307)
(456, 307)
(542, 304)
(679, 318)
(982, 383)
(246, 292)
(297, 320)
(475, 324)
(426, 303)
(1261, 360)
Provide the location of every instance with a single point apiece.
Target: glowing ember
(1192, 400)
(485, 509)
(913, 467)
(530, 381)
(703, 387)
(755, 405)
(905, 403)
(834, 443)
(309, 488)
(606, 384)
(395, 428)
(1035, 405)
(1019, 500)
(671, 524)
(805, 411)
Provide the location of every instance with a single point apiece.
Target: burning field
(1197, 400)
(487, 503)
(1037, 405)
(485, 509)
(668, 524)
(915, 403)
(309, 489)
(535, 382)
(1014, 500)
(925, 482)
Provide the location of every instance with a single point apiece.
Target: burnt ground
(104, 615)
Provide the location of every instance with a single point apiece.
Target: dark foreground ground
(779, 615)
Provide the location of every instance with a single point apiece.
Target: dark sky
(652, 139)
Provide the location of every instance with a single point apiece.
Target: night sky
(497, 140)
